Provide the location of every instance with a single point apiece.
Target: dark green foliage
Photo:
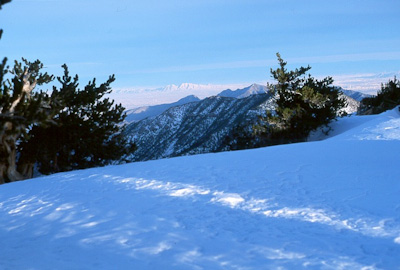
(87, 130)
(20, 109)
(240, 137)
(245, 136)
(2, 2)
(302, 105)
(70, 129)
(30, 107)
(386, 99)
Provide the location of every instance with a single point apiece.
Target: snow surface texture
(330, 204)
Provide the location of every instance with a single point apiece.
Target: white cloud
(368, 83)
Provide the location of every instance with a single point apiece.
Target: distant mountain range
(184, 87)
(245, 92)
(355, 94)
(192, 126)
(134, 98)
(196, 127)
(145, 97)
(137, 114)
(140, 113)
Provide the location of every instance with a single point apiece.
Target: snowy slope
(200, 127)
(193, 128)
(331, 204)
(141, 113)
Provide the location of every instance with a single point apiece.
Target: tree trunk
(10, 132)
(26, 170)
(8, 167)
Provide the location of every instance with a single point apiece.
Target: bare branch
(27, 88)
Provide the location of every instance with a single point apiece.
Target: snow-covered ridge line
(135, 98)
(199, 126)
(182, 87)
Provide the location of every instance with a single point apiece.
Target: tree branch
(27, 88)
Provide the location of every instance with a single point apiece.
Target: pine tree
(87, 130)
(20, 109)
(70, 129)
(302, 104)
(2, 2)
(386, 99)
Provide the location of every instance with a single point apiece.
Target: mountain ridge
(141, 97)
(253, 89)
(200, 126)
(196, 127)
(137, 114)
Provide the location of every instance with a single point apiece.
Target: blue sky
(155, 43)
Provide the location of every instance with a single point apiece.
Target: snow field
(331, 204)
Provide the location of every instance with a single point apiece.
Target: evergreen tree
(243, 137)
(87, 132)
(302, 104)
(20, 109)
(70, 129)
(386, 99)
(2, 2)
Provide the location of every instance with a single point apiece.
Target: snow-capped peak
(245, 92)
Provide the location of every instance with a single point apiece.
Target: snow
(140, 113)
(245, 92)
(134, 98)
(140, 98)
(328, 204)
